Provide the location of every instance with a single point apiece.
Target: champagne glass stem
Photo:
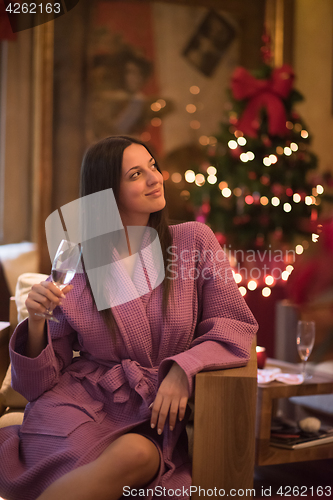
(304, 369)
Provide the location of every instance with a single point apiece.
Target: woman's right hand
(42, 296)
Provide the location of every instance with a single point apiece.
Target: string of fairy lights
(269, 282)
(238, 145)
(240, 141)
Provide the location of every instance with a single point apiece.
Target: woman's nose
(153, 177)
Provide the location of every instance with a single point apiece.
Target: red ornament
(266, 141)
(259, 241)
(278, 233)
(264, 179)
(236, 152)
(314, 214)
(233, 119)
(221, 238)
(266, 50)
(205, 208)
(268, 94)
(277, 189)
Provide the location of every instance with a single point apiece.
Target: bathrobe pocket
(60, 420)
(61, 410)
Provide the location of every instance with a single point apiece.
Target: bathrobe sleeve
(226, 326)
(31, 377)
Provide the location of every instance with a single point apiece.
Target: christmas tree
(255, 188)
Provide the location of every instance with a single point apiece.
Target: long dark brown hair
(102, 169)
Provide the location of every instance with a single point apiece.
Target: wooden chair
(224, 423)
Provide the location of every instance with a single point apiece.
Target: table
(267, 394)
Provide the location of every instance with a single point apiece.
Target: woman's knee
(138, 458)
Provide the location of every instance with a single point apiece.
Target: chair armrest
(224, 428)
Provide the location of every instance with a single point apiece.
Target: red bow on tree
(260, 94)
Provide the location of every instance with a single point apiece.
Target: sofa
(12, 404)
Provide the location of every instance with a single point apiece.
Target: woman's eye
(134, 175)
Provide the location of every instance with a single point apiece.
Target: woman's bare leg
(131, 460)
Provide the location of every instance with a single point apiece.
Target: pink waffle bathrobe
(78, 406)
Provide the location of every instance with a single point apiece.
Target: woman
(114, 419)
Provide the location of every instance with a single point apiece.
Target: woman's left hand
(171, 398)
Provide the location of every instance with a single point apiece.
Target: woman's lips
(156, 192)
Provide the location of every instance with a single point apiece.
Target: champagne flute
(306, 331)
(64, 267)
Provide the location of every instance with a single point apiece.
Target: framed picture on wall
(209, 43)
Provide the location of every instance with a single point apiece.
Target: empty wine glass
(64, 267)
(306, 332)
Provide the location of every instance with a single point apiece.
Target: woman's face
(141, 187)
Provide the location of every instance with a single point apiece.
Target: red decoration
(235, 153)
(260, 240)
(266, 141)
(264, 179)
(278, 233)
(221, 238)
(277, 189)
(263, 94)
(205, 208)
(266, 50)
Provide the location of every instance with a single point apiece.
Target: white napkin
(267, 375)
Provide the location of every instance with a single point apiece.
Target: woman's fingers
(173, 413)
(163, 415)
(182, 408)
(155, 410)
(37, 301)
(171, 399)
(45, 294)
(163, 407)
